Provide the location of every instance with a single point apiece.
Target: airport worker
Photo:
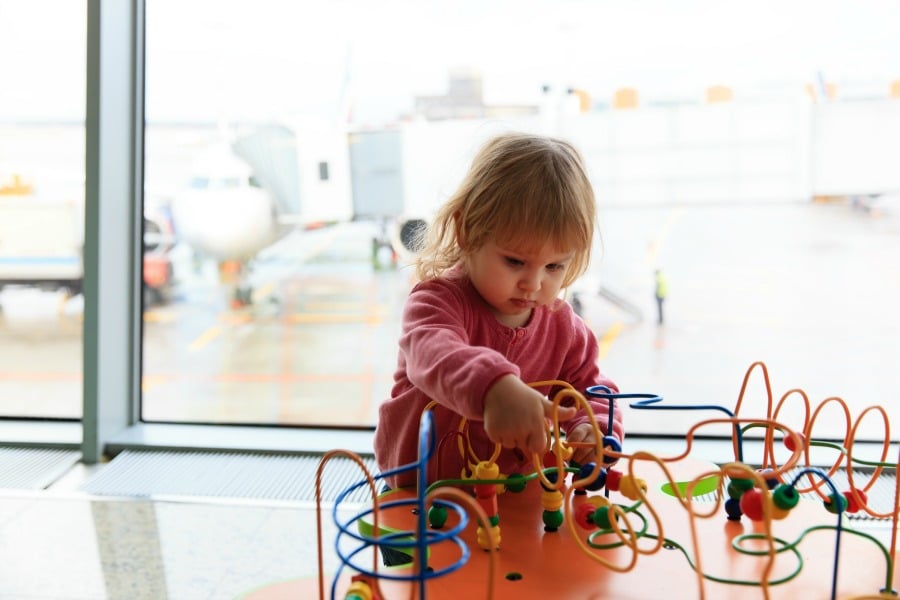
(661, 291)
(487, 317)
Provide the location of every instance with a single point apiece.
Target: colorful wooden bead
(733, 509)
(552, 519)
(629, 486)
(789, 441)
(854, 505)
(611, 442)
(785, 497)
(613, 478)
(835, 503)
(597, 484)
(516, 482)
(437, 516)
(583, 514)
(751, 504)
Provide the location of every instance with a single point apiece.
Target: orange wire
(355, 458)
(621, 525)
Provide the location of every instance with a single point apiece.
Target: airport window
(42, 155)
(752, 175)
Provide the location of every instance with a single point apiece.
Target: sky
(233, 60)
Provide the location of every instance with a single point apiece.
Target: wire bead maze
(614, 516)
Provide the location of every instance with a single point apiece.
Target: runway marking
(661, 237)
(371, 318)
(609, 336)
(40, 376)
(156, 315)
(205, 338)
(263, 293)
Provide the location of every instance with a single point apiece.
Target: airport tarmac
(809, 289)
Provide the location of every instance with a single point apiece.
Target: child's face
(514, 281)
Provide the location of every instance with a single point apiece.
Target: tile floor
(60, 544)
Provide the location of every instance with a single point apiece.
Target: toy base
(534, 563)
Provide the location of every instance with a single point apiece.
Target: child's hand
(583, 454)
(515, 415)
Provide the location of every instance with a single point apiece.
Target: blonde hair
(521, 189)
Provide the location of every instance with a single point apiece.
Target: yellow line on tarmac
(207, 336)
(370, 318)
(609, 336)
(660, 239)
(263, 293)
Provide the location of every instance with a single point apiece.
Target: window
(709, 165)
(42, 157)
(757, 177)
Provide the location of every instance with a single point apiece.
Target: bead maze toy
(632, 525)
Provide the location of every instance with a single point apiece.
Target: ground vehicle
(42, 239)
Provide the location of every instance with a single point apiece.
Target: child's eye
(555, 267)
(513, 262)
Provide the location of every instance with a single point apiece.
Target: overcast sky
(233, 59)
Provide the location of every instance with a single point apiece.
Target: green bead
(515, 482)
(836, 503)
(735, 491)
(742, 484)
(785, 497)
(600, 517)
(437, 516)
(553, 519)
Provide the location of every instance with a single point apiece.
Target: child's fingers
(563, 413)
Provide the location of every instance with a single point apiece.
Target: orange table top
(534, 563)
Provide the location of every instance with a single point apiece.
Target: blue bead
(770, 481)
(733, 509)
(598, 483)
(551, 475)
(611, 442)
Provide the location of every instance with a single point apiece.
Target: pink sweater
(452, 348)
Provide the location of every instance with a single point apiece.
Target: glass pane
(745, 156)
(42, 149)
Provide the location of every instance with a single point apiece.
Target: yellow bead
(487, 470)
(629, 486)
(483, 537)
(359, 589)
(599, 501)
(551, 500)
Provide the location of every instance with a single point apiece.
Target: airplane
(253, 188)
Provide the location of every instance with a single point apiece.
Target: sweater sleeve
(440, 360)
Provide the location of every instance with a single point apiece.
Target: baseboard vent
(260, 476)
(34, 468)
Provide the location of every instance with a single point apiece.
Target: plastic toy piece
(486, 496)
(610, 535)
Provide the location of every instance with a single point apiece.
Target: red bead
(583, 514)
(751, 504)
(485, 490)
(489, 505)
(852, 505)
(789, 441)
(613, 477)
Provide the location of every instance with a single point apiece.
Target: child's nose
(530, 282)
